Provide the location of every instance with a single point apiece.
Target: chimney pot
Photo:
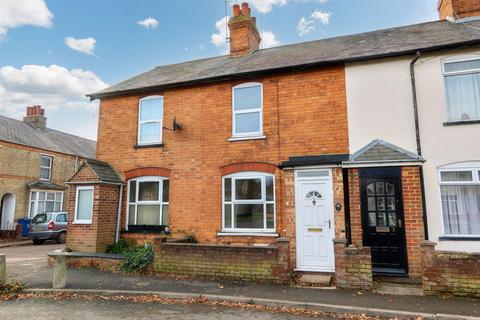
(236, 10)
(245, 9)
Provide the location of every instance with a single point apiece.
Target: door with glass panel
(383, 219)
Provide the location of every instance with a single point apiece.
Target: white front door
(314, 220)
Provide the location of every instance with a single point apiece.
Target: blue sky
(53, 52)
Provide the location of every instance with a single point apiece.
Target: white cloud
(265, 6)
(53, 87)
(149, 23)
(86, 45)
(14, 13)
(219, 39)
(268, 40)
(309, 24)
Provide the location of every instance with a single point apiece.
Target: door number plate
(314, 229)
(383, 229)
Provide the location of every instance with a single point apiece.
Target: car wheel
(62, 237)
(38, 241)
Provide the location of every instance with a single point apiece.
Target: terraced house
(35, 164)
(296, 150)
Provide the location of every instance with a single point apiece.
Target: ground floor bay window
(460, 196)
(249, 202)
(45, 201)
(147, 203)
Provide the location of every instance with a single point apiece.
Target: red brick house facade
(250, 148)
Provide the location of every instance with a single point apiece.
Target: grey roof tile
(382, 151)
(369, 45)
(104, 171)
(19, 132)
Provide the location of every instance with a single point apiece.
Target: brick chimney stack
(244, 35)
(458, 9)
(36, 116)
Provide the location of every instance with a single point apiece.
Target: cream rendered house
(436, 116)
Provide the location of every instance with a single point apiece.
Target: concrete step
(317, 280)
(397, 289)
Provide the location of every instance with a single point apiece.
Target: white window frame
(474, 168)
(263, 200)
(456, 73)
(37, 199)
(258, 134)
(160, 201)
(77, 192)
(159, 121)
(44, 167)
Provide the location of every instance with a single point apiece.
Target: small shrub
(137, 259)
(190, 238)
(118, 248)
(11, 289)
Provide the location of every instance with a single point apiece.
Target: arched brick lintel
(147, 171)
(248, 166)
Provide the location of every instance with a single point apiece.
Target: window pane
(228, 215)
(247, 122)
(228, 189)
(249, 216)
(44, 173)
(248, 189)
(50, 206)
(33, 195)
(131, 214)
(392, 219)
(41, 195)
(381, 203)
(57, 207)
(456, 176)
(463, 97)
(166, 187)
(45, 161)
(50, 196)
(371, 203)
(372, 219)
(148, 215)
(150, 132)
(84, 205)
(390, 188)
(371, 189)
(391, 203)
(462, 66)
(58, 196)
(165, 214)
(148, 191)
(41, 207)
(151, 109)
(132, 191)
(32, 209)
(380, 188)
(461, 209)
(248, 98)
(269, 187)
(270, 216)
(381, 219)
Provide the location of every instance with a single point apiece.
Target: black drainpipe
(417, 137)
(346, 206)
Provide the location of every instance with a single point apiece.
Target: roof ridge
(49, 129)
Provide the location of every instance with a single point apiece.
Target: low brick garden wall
(247, 263)
(353, 266)
(456, 273)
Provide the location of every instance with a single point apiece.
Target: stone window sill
(240, 138)
(461, 122)
(142, 146)
(247, 234)
(459, 238)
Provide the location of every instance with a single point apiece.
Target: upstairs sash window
(150, 120)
